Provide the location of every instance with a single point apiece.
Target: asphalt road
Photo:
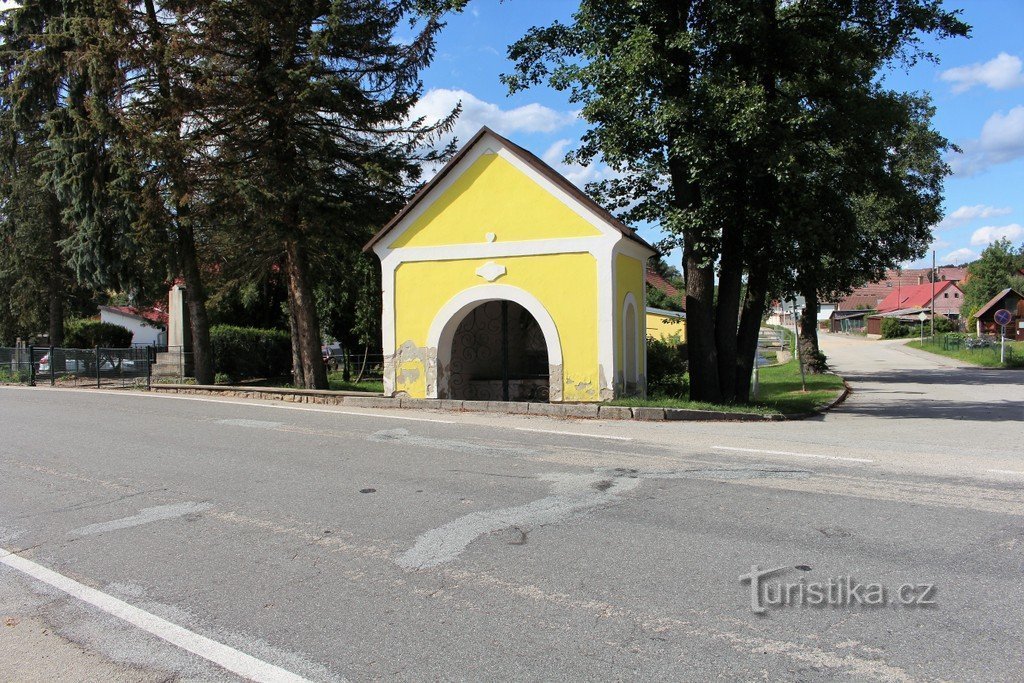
(278, 540)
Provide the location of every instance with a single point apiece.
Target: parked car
(75, 365)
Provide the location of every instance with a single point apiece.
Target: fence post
(97, 367)
(53, 363)
(31, 366)
(149, 368)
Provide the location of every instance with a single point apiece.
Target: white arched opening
(447, 320)
(630, 346)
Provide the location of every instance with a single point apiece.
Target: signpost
(922, 316)
(1002, 318)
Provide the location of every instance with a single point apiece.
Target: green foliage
(88, 334)
(892, 328)
(249, 352)
(730, 123)
(658, 299)
(222, 378)
(990, 274)
(666, 368)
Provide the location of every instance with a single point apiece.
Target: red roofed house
(948, 298)
(148, 325)
(665, 287)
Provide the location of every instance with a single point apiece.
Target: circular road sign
(1002, 317)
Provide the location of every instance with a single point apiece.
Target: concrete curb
(559, 410)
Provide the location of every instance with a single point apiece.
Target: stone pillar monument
(179, 330)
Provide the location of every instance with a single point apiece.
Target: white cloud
(966, 214)
(1001, 140)
(528, 118)
(960, 256)
(982, 237)
(1001, 73)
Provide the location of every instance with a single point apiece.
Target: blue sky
(977, 87)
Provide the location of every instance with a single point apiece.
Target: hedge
(88, 334)
(666, 368)
(248, 352)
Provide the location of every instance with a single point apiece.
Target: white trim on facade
(629, 302)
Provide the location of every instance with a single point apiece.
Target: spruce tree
(307, 106)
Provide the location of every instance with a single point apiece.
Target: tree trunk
(55, 281)
(298, 376)
(314, 374)
(810, 354)
(727, 309)
(700, 328)
(750, 326)
(195, 293)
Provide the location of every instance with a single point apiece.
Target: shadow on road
(893, 394)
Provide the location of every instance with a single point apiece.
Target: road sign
(1002, 317)
(922, 316)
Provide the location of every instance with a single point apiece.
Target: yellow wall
(629, 276)
(493, 196)
(660, 327)
(423, 288)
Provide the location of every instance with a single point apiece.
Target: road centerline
(790, 453)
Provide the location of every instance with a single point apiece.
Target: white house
(149, 326)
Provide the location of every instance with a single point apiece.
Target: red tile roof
(152, 315)
(871, 295)
(666, 288)
(916, 296)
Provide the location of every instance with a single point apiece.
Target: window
(946, 295)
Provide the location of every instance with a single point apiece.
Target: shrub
(666, 368)
(246, 352)
(892, 328)
(944, 325)
(88, 334)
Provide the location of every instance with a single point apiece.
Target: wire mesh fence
(97, 367)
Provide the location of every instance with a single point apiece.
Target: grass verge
(986, 357)
(337, 383)
(779, 391)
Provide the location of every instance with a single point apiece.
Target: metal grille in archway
(499, 354)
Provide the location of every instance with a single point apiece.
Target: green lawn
(778, 392)
(987, 357)
(338, 383)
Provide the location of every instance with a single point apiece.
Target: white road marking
(798, 455)
(571, 494)
(592, 436)
(255, 424)
(145, 516)
(227, 657)
(246, 403)
(1006, 472)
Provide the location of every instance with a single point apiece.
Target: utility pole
(935, 274)
(796, 350)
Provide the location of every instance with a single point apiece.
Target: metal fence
(983, 350)
(97, 367)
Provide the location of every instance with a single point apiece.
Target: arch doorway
(499, 353)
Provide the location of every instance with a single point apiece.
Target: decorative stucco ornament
(490, 271)
(490, 237)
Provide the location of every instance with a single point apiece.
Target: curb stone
(558, 410)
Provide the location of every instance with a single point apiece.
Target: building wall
(423, 288)
(492, 196)
(142, 332)
(661, 327)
